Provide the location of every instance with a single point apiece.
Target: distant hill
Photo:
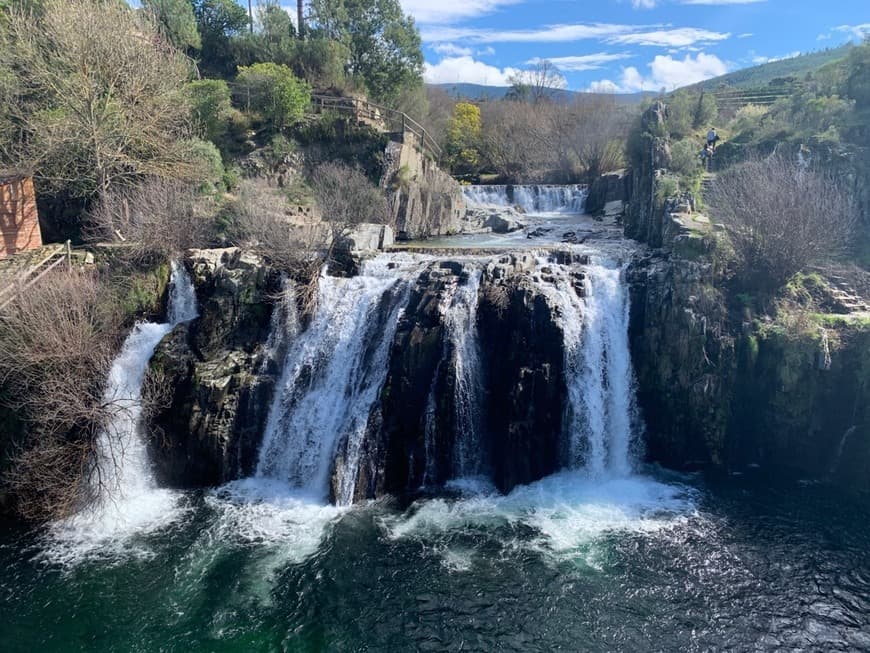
(764, 74)
(481, 92)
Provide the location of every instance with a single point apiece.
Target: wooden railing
(58, 256)
(377, 115)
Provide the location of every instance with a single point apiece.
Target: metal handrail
(358, 106)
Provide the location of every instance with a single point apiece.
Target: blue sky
(625, 45)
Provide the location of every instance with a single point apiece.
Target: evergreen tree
(384, 44)
(218, 21)
(176, 21)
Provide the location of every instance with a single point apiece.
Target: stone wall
(19, 221)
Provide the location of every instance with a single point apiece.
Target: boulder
(610, 187)
(503, 224)
(363, 241)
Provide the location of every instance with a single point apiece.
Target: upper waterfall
(539, 198)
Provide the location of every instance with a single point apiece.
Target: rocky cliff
(719, 384)
(423, 200)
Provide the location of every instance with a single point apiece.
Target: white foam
(271, 513)
(566, 511)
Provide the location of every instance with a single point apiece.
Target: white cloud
(455, 70)
(582, 62)
(652, 35)
(445, 12)
(760, 60)
(547, 34)
(643, 4)
(452, 50)
(680, 37)
(857, 32)
(604, 86)
(666, 73)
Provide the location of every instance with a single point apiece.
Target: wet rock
(502, 224)
(217, 369)
(607, 189)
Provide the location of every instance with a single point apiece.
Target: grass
(835, 321)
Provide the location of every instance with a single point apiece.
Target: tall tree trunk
(251, 16)
(300, 19)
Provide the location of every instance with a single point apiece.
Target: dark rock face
(683, 360)
(219, 371)
(524, 360)
(521, 362)
(612, 187)
(803, 402)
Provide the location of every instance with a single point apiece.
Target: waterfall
(461, 325)
(122, 454)
(332, 375)
(531, 199)
(129, 498)
(600, 413)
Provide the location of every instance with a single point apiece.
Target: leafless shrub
(514, 140)
(781, 216)
(57, 344)
(156, 217)
(346, 197)
(263, 222)
(528, 142)
(596, 132)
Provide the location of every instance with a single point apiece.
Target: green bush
(685, 158)
(666, 188)
(207, 163)
(321, 63)
(274, 93)
(210, 107)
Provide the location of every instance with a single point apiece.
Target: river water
(660, 562)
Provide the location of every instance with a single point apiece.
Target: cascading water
(600, 414)
(461, 325)
(129, 499)
(332, 375)
(531, 198)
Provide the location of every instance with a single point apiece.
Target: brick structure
(19, 221)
